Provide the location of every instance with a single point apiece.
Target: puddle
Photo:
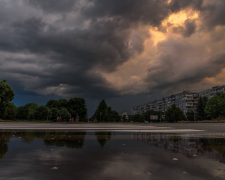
(94, 155)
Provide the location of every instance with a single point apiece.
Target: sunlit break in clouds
(127, 52)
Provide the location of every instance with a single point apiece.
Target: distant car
(146, 121)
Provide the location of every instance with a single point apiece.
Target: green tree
(200, 111)
(222, 105)
(6, 95)
(113, 116)
(22, 113)
(31, 107)
(102, 111)
(62, 103)
(130, 118)
(64, 113)
(124, 117)
(26, 112)
(41, 113)
(52, 104)
(137, 117)
(213, 108)
(174, 113)
(10, 111)
(54, 113)
(77, 106)
(190, 115)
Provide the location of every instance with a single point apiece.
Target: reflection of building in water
(191, 147)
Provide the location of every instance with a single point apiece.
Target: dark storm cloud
(53, 6)
(131, 11)
(62, 47)
(177, 67)
(188, 29)
(104, 44)
(213, 14)
(178, 5)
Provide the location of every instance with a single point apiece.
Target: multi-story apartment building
(185, 100)
(212, 92)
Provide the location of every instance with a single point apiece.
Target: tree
(190, 115)
(102, 111)
(124, 117)
(64, 113)
(41, 113)
(31, 109)
(6, 95)
(107, 114)
(212, 108)
(52, 104)
(77, 106)
(200, 111)
(62, 103)
(54, 113)
(10, 111)
(113, 116)
(26, 112)
(22, 113)
(222, 105)
(130, 118)
(137, 117)
(174, 113)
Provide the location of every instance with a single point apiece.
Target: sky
(127, 52)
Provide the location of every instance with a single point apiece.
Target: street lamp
(100, 116)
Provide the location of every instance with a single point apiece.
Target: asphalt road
(171, 128)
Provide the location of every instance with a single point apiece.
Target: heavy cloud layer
(105, 49)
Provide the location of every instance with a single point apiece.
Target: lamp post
(100, 116)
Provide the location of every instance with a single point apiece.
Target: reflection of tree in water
(4, 139)
(205, 144)
(70, 139)
(174, 139)
(218, 145)
(102, 137)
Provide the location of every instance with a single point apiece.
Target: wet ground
(207, 127)
(92, 151)
(54, 154)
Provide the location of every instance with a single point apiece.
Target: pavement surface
(125, 127)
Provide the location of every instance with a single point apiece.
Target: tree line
(105, 113)
(31, 111)
(213, 108)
